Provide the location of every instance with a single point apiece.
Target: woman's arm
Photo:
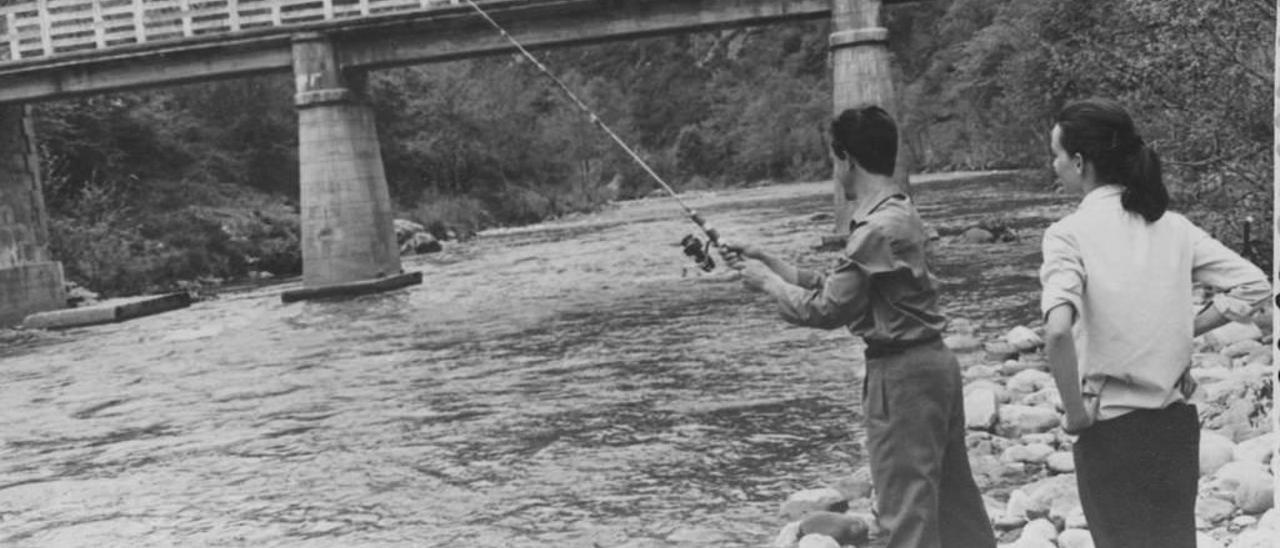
(1062, 277)
(1208, 319)
(1061, 350)
(1242, 286)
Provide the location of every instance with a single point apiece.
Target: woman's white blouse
(1130, 283)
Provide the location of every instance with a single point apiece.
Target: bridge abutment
(862, 75)
(30, 281)
(348, 237)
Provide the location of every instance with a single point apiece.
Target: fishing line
(692, 246)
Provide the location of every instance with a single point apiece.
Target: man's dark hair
(869, 135)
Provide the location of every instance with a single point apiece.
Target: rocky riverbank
(1022, 458)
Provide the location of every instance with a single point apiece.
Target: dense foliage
(150, 188)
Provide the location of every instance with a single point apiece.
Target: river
(576, 383)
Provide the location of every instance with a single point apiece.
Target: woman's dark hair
(1102, 133)
(868, 134)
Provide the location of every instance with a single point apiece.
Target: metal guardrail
(34, 29)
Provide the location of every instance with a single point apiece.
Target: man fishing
(882, 291)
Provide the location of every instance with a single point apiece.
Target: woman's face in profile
(1069, 169)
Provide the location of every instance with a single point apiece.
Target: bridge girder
(375, 42)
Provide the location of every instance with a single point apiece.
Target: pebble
(1215, 452)
(1061, 462)
(1232, 332)
(1016, 420)
(788, 536)
(1241, 348)
(817, 541)
(1210, 375)
(1259, 449)
(1029, 381)
(1008, 523)
(1024, 362)
(977, 235)
(1016, 508)
(1023, 339)
(987, 470)
(844, 528)
(981, 409)
(1045, 397)
(1055, 496)
(1000, 351)
(961, 343)
(1047, 438)
(804, 502)
(1075, 538)
(1260, 356)
(1244, 521)
(976, 372)
(1076, 519)
(986, 444)
(1210, 360)
(1040, 529)
(1002, 395)
(1246, 484)
(1213, 510)
(1033, 453)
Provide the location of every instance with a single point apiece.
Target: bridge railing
(32, 29)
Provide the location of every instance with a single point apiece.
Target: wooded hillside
(152, 188)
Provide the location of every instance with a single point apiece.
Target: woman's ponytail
(1144, 190)
(1103, 133)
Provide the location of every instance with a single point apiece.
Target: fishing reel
(699, 252)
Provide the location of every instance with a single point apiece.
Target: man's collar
(869, 204)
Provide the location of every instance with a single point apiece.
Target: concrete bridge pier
(348, 237)
(30, 281)
(862, 75)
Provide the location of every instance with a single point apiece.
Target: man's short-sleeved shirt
(881, 288)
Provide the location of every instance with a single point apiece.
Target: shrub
(462, 214)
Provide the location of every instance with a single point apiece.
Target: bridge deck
(31, 29)
(60, 48)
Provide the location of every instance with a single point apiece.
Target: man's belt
(892, 348)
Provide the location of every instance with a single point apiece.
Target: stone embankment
(1022, 458)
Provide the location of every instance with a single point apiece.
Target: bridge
(52, 49)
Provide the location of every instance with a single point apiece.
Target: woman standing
(1117, 281)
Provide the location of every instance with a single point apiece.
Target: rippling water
(541, 388)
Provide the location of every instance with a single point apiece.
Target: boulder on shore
(808, 501)
(981, 409)
(1023, 339)
(1215, 452)
(1248, 485)
(414, 238)
(1016, 420)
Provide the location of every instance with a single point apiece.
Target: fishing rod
(692, 246)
